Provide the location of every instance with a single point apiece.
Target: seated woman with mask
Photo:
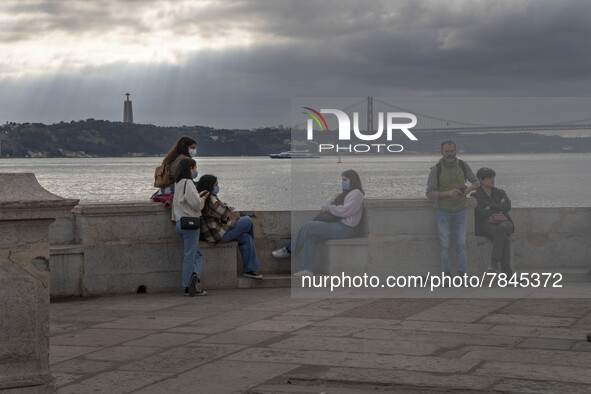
(218, 225)
(347, 210)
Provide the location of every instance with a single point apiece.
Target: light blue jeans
(193, 260)
(444, 223)
(311, 234)
(243, 232)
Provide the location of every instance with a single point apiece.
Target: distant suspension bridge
(369, 108)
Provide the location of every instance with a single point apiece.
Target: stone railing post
(26, 211)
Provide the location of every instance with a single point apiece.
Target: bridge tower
(369, 113)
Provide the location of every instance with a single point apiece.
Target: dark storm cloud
(312, 48)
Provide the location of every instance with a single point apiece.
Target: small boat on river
(294, 154)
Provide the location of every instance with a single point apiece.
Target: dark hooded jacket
(493, 201)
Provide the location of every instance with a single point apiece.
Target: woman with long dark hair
(338, 219)
(218, 225)
(188, 202)
(184, 148)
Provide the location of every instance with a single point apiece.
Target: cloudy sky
(238, 64)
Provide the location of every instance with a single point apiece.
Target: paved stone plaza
(265, 341)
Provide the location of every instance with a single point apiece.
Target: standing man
(446, 186)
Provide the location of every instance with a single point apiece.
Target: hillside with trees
(102, 138)
(105, 138)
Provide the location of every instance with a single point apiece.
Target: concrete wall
(120, 247)
(113, 248)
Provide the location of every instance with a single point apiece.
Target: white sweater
(186, 202)
(351, 210)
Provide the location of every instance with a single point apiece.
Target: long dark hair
(207, 182)
(354, 184)
(180, 148)
(183, 171)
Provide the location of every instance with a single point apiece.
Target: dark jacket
(493, 201)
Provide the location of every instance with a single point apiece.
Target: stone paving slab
(58, 353)
(447, 339)
(460, 310)
(571, 308)
(165, 340)
(395, 377)
(332, 387)
(522, 320)
(326, 308)
(551, 373)
(83, 366)
(582, 347)
(61, 379)
(328, 331)
(466, 328)
(229, 320)
(356, 345)
(359, 360)
(541, 332)
(276, 325)
(264, 341)
(360, 323)
(527, 356)
(114, 382)
(535, 387)
(243, 337)
(547, 343)
(147, 322)
(121, 353)
(98, 337)
(182, 358)
(233, 376)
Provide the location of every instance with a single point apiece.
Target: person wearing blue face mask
(338, 219)
(220, 223)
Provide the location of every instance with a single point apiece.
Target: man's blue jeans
(313, 232)
(193, 260)
(444, 224)
(243, 232)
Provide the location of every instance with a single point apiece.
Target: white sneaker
(303, 273)
(282, 253)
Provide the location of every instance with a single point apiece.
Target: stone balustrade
(26, 213)
(122, 247)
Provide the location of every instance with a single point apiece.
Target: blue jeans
(193, 260)
(444, 223)
(243, 232)
(311, 234)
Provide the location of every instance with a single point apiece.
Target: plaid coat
(215, 220)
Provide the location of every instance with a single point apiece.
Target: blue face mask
(195, 174)
(216, 190)
(346, 185)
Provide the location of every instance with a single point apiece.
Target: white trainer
(282, 253)
(303, 273)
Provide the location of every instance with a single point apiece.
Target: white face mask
(192, 152)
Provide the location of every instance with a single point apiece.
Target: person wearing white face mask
(184, 148)
(338, 219)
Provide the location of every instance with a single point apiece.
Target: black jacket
(481, 214)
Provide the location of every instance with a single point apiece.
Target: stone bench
(348, 255)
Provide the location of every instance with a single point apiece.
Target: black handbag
(326, 217)
(189, 223)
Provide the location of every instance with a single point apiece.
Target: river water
(261, 183)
